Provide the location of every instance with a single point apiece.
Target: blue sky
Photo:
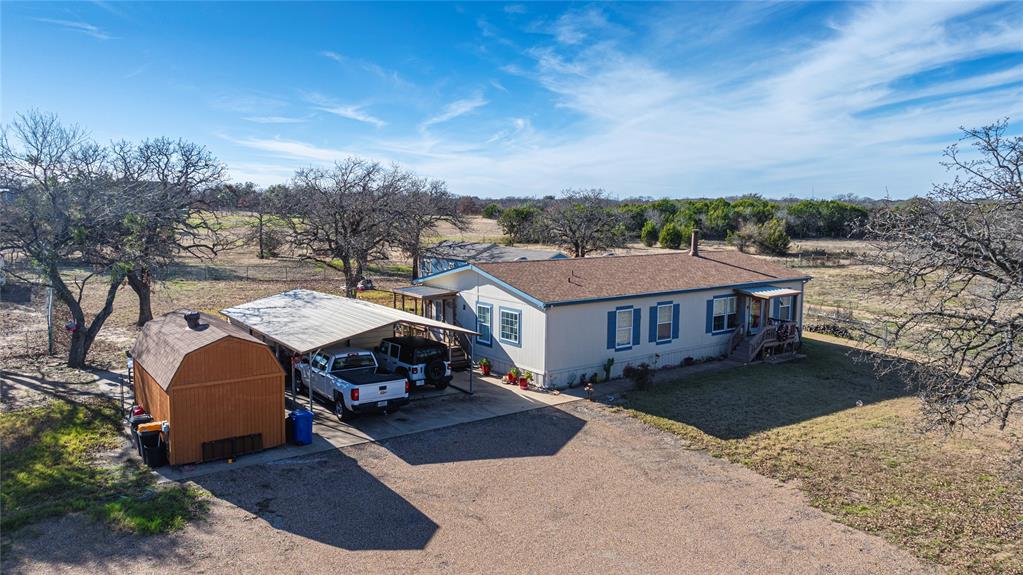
(678, 100)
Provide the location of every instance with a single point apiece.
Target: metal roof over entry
(768, 292)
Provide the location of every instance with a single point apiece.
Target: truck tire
(343, 414)
(435, 371)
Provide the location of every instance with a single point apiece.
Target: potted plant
(513, 375)
(524, 379)
(594, 378)
(485, 366)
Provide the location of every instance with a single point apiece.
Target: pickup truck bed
(367, 378)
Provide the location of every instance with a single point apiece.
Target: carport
(302, 322)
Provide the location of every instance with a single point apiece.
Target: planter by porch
(523, 383)
(485, 368)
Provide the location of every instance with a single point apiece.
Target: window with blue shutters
(664, 322)
(623, 325)
(623, 328)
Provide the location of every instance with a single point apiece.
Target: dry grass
(956, 500)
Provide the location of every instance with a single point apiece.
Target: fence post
(206, 273)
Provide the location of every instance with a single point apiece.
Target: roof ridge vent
(192, 319)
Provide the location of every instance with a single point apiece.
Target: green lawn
(52, 466)
(956, 500)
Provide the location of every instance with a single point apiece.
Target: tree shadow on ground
(328, 498)
(739, 402)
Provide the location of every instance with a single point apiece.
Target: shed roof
(306, 320)
(165, 341)
(488, 252)
(580, 279)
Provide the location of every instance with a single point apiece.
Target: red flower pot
(485, 368)
(523, 383)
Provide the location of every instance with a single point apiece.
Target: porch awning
(768, 292)
(423, 292)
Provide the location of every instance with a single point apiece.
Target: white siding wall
(563, 342)
(503, 356)
(577, 336)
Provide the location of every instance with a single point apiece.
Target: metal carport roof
(306, 320)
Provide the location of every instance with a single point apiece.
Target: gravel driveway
(570, 489)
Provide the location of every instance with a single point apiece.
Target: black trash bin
(289, 429)
(134, 421)
(153, 448)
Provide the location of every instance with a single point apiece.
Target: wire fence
(843, 323)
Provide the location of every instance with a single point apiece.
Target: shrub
(671, 237)
(641, 375)
(649, 234)
(769, 238)
(491, 211)
(772, 238)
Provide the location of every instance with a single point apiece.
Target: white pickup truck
(348, 378)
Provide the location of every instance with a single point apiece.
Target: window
(353, 361)
(724, 313)
(664, 322)
(394, 351)
(320, 361)
(623, 328)
(484, 323)
(785, 308)
(510, 325)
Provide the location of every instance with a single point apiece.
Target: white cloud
(78, 26)
(292, 149)
(348, 111)
(276, 119)
(515, 9)
(455, 109)
(805, 123)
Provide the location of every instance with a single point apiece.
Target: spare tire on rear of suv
(435, 372)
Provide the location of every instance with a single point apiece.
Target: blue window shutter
(637, 317)
(674, 321)
(710, 315)
(610, 330)
(776, 308)
(653, 324)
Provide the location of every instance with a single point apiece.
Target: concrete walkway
(490, 399)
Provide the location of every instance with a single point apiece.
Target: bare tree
(267, 229)
(166, 185)
(953, 262)
(427, 204)
(62, 209)
(344, 217)
(584, 221)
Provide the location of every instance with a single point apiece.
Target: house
(450, 254)
(564, 318)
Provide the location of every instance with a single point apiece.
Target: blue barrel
(303, 426)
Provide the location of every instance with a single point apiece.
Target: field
(857, 448)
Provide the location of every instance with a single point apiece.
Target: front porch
(767, 324)
(439, 304)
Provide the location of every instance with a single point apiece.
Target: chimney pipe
(694, 244)
(192, 318)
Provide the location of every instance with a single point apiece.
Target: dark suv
(422, 361)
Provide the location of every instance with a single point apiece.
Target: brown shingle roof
(165, 341)
(554, 281)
